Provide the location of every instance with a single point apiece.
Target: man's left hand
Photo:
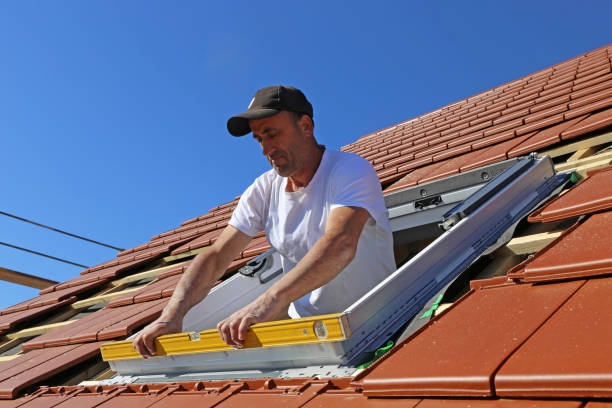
(233, 329)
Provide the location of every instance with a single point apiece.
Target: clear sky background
(113, 113)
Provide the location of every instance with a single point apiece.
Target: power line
(41, 254)
(60, 231)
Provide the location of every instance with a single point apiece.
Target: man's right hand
(144, 342)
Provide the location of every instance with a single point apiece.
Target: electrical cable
(41, 254)
(60, 231)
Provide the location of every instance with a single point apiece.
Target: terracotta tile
(602, 66)
(386, 173)
(39, 365)
(493, 139)
(198, 242)
(498, 403)
(452, 152)
(593, 122)
(592, 76)
(511, 116)
(503, 127)
(149, 311)
(570, 355)
(506, 98)
(499, 106)
(565, 80)
(540, 124)
(118, 319)
(555, 92)
(412, 178)
(591, 195)
(402, 159)
(405, 144)
(593, 97)
(255, 247)
(383, 157)
(415, 164)
(78, 281)
(12, 320)
(447, 357)
(449, 167)
(430, 151)
(518, 105)
(543, 114)
(581, 251)
(543, 138)
(489, 115)
(493, 154)
(115, 270)
(550, 103)
(594, 81)
(466, 139)
(53, 296)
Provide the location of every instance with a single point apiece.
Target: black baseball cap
(269, 101)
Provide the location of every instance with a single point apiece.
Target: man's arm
(326, 259)
(207, 267)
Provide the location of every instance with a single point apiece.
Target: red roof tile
(581, 251)
(38, 365)
(156, 290)
(543, 138)
(198, 242)
(571, 355)
(591, 195)
(101, 325)
(458, 353)
(593, 122)
(500, 403)
(10, 321)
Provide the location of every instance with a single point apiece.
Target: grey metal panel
(232, 294)
(407, 216)
(451, 183)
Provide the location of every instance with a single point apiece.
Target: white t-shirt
(294, 221)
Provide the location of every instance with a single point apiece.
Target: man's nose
(267, 148)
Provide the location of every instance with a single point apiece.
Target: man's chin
(283, 171)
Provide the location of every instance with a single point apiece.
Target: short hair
(298, 115)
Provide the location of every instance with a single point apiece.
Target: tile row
(591, 195)
(506, 146)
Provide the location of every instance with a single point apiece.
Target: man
(322, 210)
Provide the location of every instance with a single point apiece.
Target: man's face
(283, 142)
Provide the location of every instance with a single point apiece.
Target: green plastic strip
(432, 309)
(378, 354)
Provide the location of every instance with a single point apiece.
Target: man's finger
(140, 347)
(222, 329)
(149, 345)
(234, 325)
(244, 327)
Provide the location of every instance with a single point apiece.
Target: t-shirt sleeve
(248, 217)
(356, 184)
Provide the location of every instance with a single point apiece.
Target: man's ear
(306, 124)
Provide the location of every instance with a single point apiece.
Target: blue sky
(113, 113)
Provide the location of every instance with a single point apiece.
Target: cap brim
(239, 125)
